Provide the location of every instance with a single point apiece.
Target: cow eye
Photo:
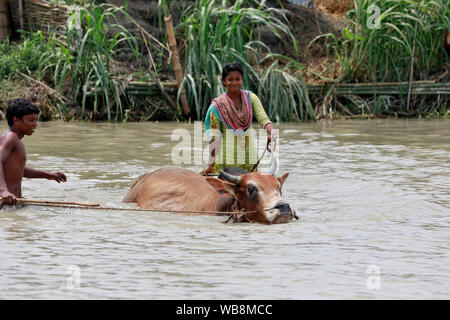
(251, 190)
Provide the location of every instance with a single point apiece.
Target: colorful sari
(233, 128)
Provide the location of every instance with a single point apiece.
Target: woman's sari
(233, 130)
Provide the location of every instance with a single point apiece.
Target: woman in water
(228, 124)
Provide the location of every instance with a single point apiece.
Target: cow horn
(273, 166)
(230, 177)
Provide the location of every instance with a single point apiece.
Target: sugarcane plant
(218, 32)
(94, 37)
(283, 90)
(391, 44)
(379, 42)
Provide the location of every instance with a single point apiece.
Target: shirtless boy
(22, 120)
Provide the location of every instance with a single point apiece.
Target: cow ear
(220, 185)
(283, 178)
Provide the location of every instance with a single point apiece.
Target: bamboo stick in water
(176, 64)
(34, 201)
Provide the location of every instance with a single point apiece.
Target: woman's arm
(261, 115)
(213, 148)
(214, 135)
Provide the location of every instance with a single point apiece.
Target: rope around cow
(238, 216)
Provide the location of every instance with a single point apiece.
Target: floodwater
(373, 199)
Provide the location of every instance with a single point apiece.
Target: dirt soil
(306, 24)
(44, 98)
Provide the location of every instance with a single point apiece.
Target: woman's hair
(235, 66)
(19, 108)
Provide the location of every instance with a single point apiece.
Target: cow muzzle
(280, 213)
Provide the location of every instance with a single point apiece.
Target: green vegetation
(284, 93)
(391, 41)
(88, 53)
(27, 56)
(405, 44)
(81, 62)
(216, 33)
(407, 31)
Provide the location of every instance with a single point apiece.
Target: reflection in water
(368, 193)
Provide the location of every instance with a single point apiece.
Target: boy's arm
(34, 173)
(6, 146)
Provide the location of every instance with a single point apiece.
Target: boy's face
(27, 124)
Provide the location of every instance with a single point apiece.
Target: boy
(22, 120)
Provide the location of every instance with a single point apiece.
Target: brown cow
(253, 197)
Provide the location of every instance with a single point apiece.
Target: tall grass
(218, 32)
(93, 39)
(283, 91)
(373, 50)
(26, 56)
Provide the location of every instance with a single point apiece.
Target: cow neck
(212, 199)
(224, 203)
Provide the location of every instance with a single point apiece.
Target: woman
(228, 124)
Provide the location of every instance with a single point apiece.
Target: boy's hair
(19, 108)
(235, 66)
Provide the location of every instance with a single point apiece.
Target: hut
(4, 20)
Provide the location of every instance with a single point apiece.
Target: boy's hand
(57, 176)
(8, 198)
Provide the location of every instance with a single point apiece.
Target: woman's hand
(269, 128)
(208, 169)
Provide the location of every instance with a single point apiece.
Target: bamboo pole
(4, 25)
(401, 88)
(314, 5)
(412, 68)
(154, 78)
(95, 206)
(383, 88)
(58, 95)
(21, 14)
(176, 64)
(47, 202)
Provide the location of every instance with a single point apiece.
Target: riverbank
(315, 60)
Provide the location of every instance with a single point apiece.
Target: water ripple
(368, 193)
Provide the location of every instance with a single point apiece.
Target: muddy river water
(373, 198)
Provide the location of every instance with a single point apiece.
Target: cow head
(258, 195)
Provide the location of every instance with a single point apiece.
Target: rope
(262, 155)
(97, 207)
(239, 216)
